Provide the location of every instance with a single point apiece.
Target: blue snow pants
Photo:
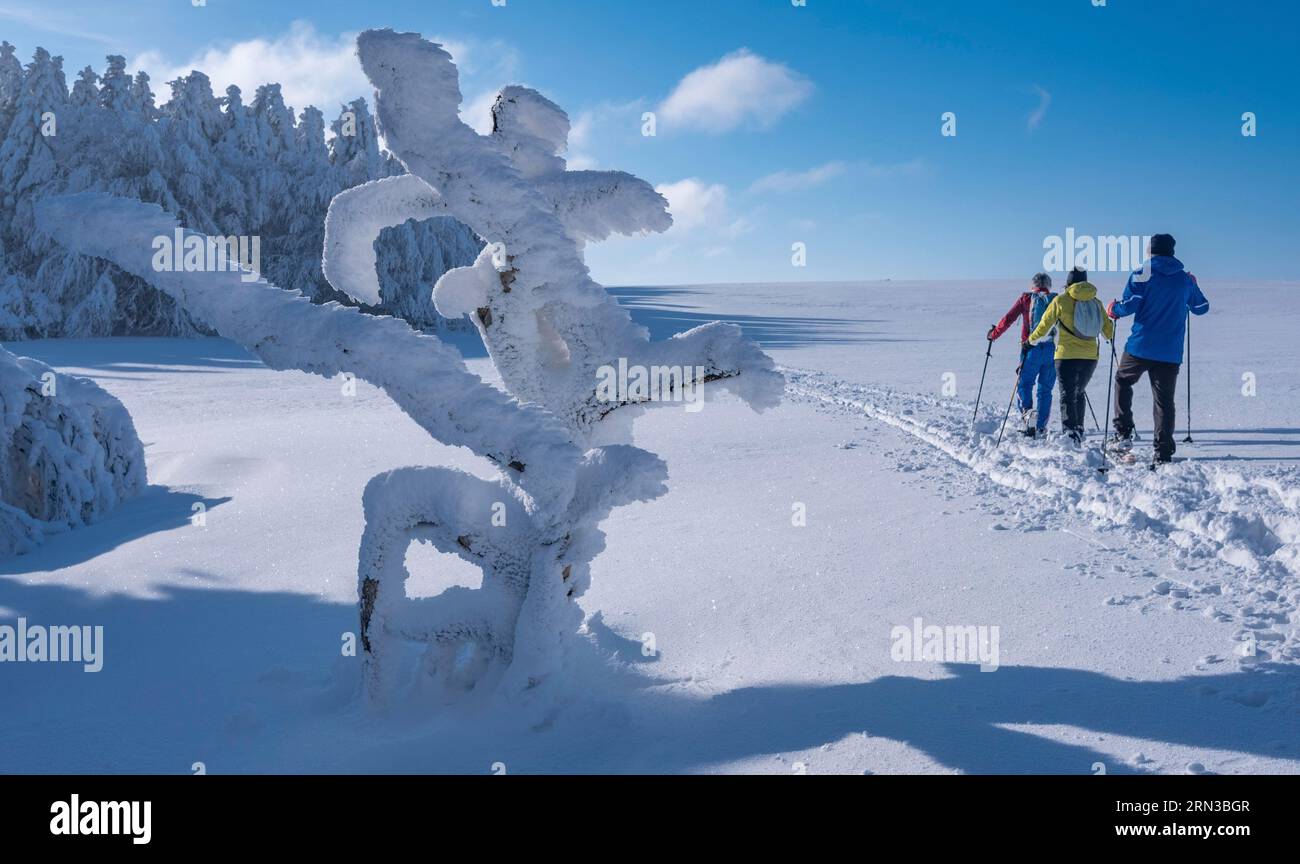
(1039, 366)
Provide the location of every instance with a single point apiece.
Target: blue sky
(821, 124)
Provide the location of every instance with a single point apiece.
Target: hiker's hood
(1166, 265)
(1082, 291)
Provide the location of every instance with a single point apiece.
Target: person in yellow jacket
(1081, 319)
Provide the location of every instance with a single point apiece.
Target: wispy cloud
(741, 88)
(50, 21)
(1044, 100)
(911, 168)
(797, 181)
(794, 181)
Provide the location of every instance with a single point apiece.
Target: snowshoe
(1119, 445)
(1120, 450)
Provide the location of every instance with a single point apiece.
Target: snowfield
(743, 621)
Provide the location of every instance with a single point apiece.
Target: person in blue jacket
(1158, 296)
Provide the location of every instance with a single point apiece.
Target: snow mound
(69, 453)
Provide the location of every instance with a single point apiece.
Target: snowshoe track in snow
(1200, 513)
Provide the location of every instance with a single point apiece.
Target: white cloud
(315, 69)
(476, 112)
(580, 128)
(581, 162)
(702, 208)
(603, 128)
(310, 68)
(793, 181)
(1044, 100)
(580, 135)
(741, 87)
(694, 203)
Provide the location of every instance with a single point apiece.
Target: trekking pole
(1015, 386)
(1092, 412)
(1188, 439)
(1110, 379)
(980, 394)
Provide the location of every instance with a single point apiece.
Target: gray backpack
(1087, 320)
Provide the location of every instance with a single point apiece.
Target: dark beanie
(1078, 274)
(1162, 244)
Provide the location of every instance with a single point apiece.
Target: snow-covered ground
(1126, 607)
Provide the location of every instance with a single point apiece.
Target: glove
(1192, 276)
(993, 333)
(1110, 310)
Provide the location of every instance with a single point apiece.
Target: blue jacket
(1159, 304)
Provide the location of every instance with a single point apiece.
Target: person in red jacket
(1037, 365)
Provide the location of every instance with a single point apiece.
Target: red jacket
(1021, 309)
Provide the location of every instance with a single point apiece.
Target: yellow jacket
(1061, 311)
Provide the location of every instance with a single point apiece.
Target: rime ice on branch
(533, 531)
(547, 325)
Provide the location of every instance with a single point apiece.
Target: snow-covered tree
(69, 453)
(11, 77)
(534, 529)
(221, 166)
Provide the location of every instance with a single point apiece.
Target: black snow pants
(1164, 384)
(1072, 377)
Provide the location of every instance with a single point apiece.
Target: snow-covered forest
(223, 164)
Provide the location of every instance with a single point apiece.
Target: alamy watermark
(1103, 253)
(931, 643)
(636, 383)
(36, 643)
(114, 818)
(196, 253)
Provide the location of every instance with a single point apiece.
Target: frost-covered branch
(547, 325)
(426, 378)
(355, 218)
